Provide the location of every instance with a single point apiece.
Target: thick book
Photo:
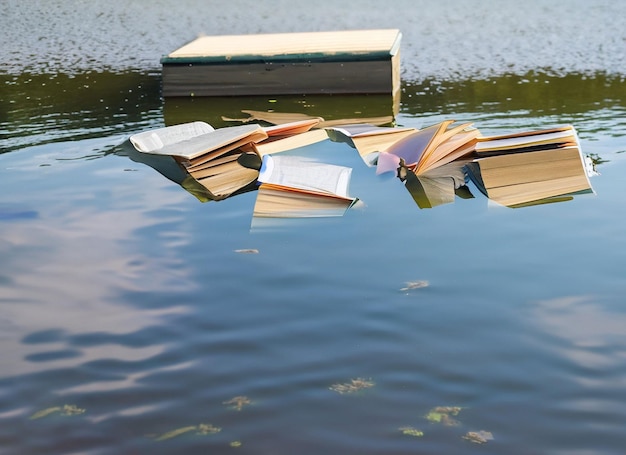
(516, 179)
(303, 63)
(295, 187)
(429, 148)
(213, 157)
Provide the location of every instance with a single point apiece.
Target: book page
(511, 143)
(305, 174)
(154, 140)
(196, 146)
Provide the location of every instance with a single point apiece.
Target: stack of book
(435, 163)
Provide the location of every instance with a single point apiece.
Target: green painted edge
(286, 58)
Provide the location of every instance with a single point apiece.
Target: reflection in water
(65, 269)
(43, 108)
(594, 335)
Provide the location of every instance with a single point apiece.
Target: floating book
(330, 62)
(368, 139)
(288, 136)
(526, 141)
(429, 148)
(298, 187)
(213, 157)
(531, 167)
(437, 187)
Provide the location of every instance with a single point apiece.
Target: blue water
(123, 295)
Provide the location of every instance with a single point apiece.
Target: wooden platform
(344, 62)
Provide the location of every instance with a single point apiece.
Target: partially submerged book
(531, 167)
(429, 148)
(213, 157)
(288, 136)
(368, 139)
(526, 141)
(438, 186)
(292, 186)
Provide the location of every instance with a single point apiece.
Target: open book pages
(438, 186)
(368, 139)
(527, 140)
(426, 149)
(276, 201)
(305, 174)
(191, 141)
(277, 144)
(153, 141)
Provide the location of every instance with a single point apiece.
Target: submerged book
(518, 169)
(298, 187)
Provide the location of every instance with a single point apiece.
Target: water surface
(122, 296)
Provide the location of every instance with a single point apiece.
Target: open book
(213, 157)
(294, 186)
(368, 139)
(429, 148)
(526, 141)
(531, 167)
(438, 186)
(288, 136)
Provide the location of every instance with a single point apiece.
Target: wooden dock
(342, 62)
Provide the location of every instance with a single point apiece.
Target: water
(122, 295)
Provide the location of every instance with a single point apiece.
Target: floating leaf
(235, 444)
(410, 285)
(201, 429)
(71, 410)
(410, 431)
(207, 428)
(353, 386)
(238, 402)
(65, 410)
(247, 251)
(45, 412)
(442, 414)
(177, 432)
(478, 437)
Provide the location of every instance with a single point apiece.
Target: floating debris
(174, 433)
(247, 251)
(238, 403)
(410, 431)
(65, 410)
(201, 429)
(410, 285)
(354, 385)
(442, 414)
(207, 428)
(478, 437)
(235, 444)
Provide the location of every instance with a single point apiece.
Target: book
(547, 138)
(368, 139)
(153, 141)
(438, 186)
(429, 148)
(303, 63)
(213, 157)
(295, 187)
(288, 136)
(517, 179)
